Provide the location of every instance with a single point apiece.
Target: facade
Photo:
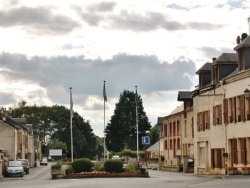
(212, 128)
(18, 140)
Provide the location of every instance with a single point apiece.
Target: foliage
(70, 169)
(154, 134)
(130, 168)
(98, 167)
(56, 166)
(113, 165)
(121, 131)
(81, 165)
(60, 145)
(52, 123)
(143, 171)
(129, 153)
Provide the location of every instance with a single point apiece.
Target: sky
(48, 46)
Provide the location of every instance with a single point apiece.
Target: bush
(98, 167)
(130, 168)
(81, 165)
(113, 165)
(56, 166)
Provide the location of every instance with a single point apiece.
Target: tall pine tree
(121, 131)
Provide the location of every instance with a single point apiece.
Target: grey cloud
(39, 20)
(102, 7)
(210, 52)
(138, 22)
(6, 98)
(86, 76)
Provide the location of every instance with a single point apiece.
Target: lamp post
(247, 94)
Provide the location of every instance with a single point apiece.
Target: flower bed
(102, 174)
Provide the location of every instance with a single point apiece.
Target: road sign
(145, 140)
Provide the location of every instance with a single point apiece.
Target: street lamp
(247, 94)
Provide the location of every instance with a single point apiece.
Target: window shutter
(225, 108)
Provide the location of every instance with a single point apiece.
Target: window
(165, 130)
(166, 144)
(217, 115)
(234, 152)
(216, 158)
(203, 121)
(202, 155)
(243, 149)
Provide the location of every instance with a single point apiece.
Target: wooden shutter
(225, 108)
(242, 108)
(214, 115)
(234, 110)
(212, 158)
(220, 114)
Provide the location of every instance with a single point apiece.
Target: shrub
(56, 166)
(113, 165)
(70, 169)
(98, 167)
(130, 168)
(81, 165)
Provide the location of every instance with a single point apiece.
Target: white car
(14, 168)
(44, 161)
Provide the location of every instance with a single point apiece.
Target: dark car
(26, 165)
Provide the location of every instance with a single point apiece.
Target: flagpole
(104, 100)
(136, 111)
(71, 116)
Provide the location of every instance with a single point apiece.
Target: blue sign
(145, 140)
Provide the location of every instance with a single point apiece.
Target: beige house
(18, 141)
(212, 126)
(171, 140)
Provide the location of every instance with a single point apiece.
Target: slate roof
(160, 120)
(206, 67)
(154, 147)
(231, 58)
(184, 95)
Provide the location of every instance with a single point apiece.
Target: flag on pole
(71, 103)
(136, 98)
(104, 93)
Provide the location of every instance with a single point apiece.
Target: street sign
(145, 140)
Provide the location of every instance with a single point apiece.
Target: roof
(154, 147)
(21, 121)
(228, 58)
(160, 120)
(245, 43)
(184, 95)
(177, 110)
(206, 67)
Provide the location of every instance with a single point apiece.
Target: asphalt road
(40, 177)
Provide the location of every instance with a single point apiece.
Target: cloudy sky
(50, 45)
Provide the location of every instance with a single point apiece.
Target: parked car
(26, 165)
(44, 161)
(14, 168)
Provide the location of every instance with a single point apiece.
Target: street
(40, 178)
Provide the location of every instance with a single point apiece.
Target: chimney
(214, 59)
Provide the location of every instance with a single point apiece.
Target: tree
(154, 134)
(53, 125)
(60, 145)
(121, 131)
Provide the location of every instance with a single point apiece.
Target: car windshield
(14, 163)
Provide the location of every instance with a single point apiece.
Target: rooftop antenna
(238, 39)
(249, 24)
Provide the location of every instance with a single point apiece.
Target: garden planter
(232, 171)
(246, 170)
